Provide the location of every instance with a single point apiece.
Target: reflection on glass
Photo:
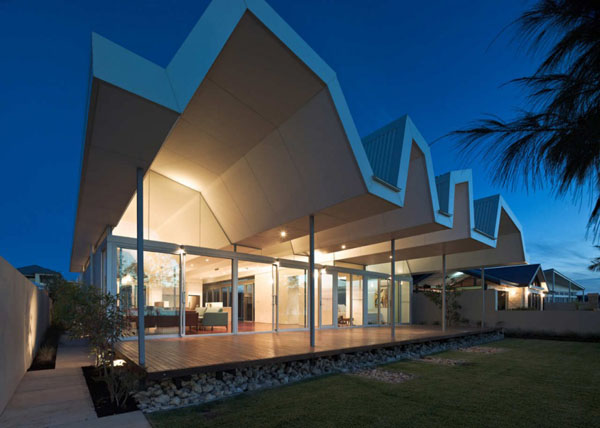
(161, 280)
(326, 299)
(405, 302)
(292, 298)
(357, 300)
(372, 299)
(344, 300)
(210, 279)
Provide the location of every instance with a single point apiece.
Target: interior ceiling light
(343, 247)
(283, 233)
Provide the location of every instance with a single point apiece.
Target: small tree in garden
(87, 312)
(452, 306)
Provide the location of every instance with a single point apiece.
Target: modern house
(517, 287)
(40, 276)
(562, 288)
(238, 174)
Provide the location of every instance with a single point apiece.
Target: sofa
(212, 317)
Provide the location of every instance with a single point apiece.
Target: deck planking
(172, 357)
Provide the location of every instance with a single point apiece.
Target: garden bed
(45, 358)
(100, 395)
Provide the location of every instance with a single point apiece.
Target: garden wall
(547, 322)
(24, 318)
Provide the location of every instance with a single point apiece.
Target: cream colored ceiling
(262, 140)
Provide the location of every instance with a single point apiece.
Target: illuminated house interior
(242, 139)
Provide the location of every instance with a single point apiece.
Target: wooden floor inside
(180, 356)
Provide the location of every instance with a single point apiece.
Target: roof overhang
(246, 83)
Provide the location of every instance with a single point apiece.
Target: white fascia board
(120, 67)
(506, 208)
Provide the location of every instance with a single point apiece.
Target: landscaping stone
(443, 361)
(204, 387)
(483, 350)
(386, 376)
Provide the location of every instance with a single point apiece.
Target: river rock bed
(205, 387)
(386, 376)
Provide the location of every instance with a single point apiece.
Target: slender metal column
(443, 292)
(482, 297)
(234, 296)
(311, 279)
(91, 267)
(140, 268)
(393, 291)
(569, 291)
(553, 284)
(182, 293)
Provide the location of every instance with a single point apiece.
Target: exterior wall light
(283, 233)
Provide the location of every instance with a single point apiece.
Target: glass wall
(326, 299)
(344, 300)
(173, 213)
(208, 295)
(256, 288)
(372, 301)
(161, 279)
(357, 300)
(405, 293)
(292, 298)
(378, 305)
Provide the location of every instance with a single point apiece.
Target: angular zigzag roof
(382, 159)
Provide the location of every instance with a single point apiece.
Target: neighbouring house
(518, 287)
(40, 276)
(236, 173)
(562, 289)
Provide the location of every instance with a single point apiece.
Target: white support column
(482, 297)
(393, 290)
(443, 292)
(91, 266)
(311, 279)
(234, 296)
(182, 292)
(140, 268)
(569, 291)
(365, 295)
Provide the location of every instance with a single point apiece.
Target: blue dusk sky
(433, 60)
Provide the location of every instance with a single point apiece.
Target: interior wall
(24, 318)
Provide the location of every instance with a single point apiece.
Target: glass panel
(372, 301)
(161, 277)
(292, 298)
(383, 301)
(344, 300)
(257, 310)
(405, 302)
(357, 300)
(209, 277)
(326, 299)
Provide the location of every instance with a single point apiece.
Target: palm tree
(555, 140)
(595, 266)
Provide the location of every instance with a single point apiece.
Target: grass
(535, 382)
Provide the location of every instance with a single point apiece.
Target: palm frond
(555, 141)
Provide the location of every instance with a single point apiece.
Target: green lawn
(535, 382)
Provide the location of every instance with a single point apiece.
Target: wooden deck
(180, 356)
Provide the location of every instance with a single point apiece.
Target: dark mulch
(45, 358)
(101, 397)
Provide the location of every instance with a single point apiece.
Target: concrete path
(60, 397)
